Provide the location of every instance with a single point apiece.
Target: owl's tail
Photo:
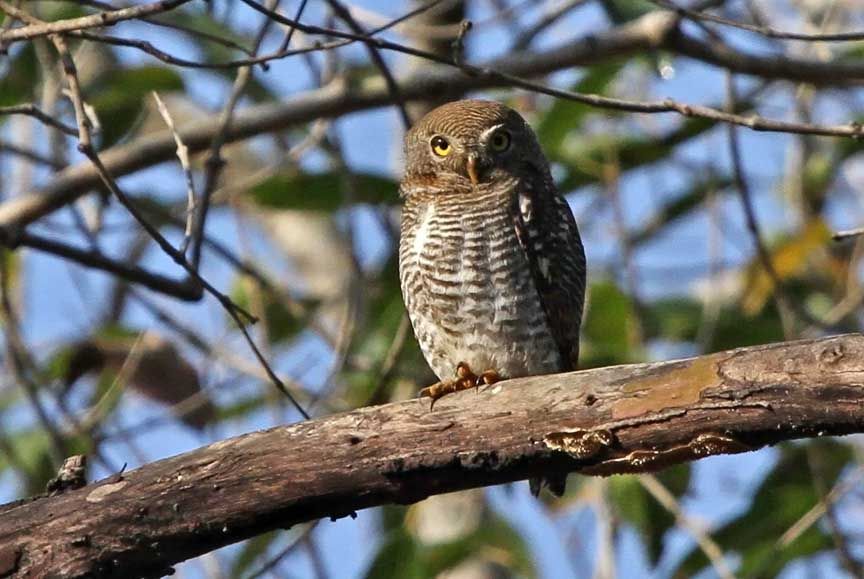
(556, 483)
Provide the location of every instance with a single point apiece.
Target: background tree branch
(622, 419)
(656, 31)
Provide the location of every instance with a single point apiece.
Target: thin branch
(183, 290)
(233, 309)
(785, 304)
(174, 26)
(818, 510)
(20, 364)
(100, 20)
(32, 110)
(667, 36)
(31, 155)
(710, 547)
(647, 33)
(214, 163)
(527, 36)
(777, 67)
(183, 157)
(841, 545)
(280, 54)
(758, 29)
(240, 316)
(375, 56)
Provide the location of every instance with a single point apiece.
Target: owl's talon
(464, 380)
(489, 377)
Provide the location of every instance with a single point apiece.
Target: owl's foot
(464, 380)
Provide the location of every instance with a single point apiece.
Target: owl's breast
(468, 288)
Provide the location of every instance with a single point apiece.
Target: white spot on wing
(424, 228)
(543, 262)
(526, 207)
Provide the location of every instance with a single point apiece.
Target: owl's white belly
(471, 297)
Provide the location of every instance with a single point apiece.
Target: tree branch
(100, 20)
(621, 419)
(655, 31)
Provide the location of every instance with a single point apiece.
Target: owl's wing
(548, 234)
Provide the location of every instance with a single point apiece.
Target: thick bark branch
(611, 420)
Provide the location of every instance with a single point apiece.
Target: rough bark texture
(606, 421)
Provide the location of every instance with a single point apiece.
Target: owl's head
(472, 142)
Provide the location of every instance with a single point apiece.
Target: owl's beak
(472, 169)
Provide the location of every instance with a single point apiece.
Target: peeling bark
(612, 420)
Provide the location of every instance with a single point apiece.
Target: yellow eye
(500, 141)
(440, 146)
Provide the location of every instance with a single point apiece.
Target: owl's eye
(440, 146)
(500, 141)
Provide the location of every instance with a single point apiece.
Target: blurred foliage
(636, 507)
(403, 554)
(120, 96)
(610, 330)
(322, 191)
(98, 369)
(786, 494)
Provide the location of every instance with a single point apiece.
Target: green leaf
(675, 319)
(22, 77)
(374, 336)
(119, 96)
(282, 323)
(494, 535)
(621, 11)
(637, 507)
(786, 495)
(241, 408)
(681, 205)
(216, 52)
(581, 159)
(762, 328)
(30, 453)
(565, 117)
(609, 330)
(322, 191)
(251, 551)
(397, 558)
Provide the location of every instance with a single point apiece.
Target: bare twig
(841, 545)
(183, 157)
(336, 100)
(710, 547)
(30, 155)
(20, 364)
(785, 304)
(183, 290)
(846, 233)
(812, 516)
(214, 163)
(240, 316)
(32, 110)
(281, 53)
(345, 15)
(174, 26)
(100, 20)
(233, 309)
(527, 36)
(758, 29)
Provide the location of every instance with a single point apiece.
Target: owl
(491, 265)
